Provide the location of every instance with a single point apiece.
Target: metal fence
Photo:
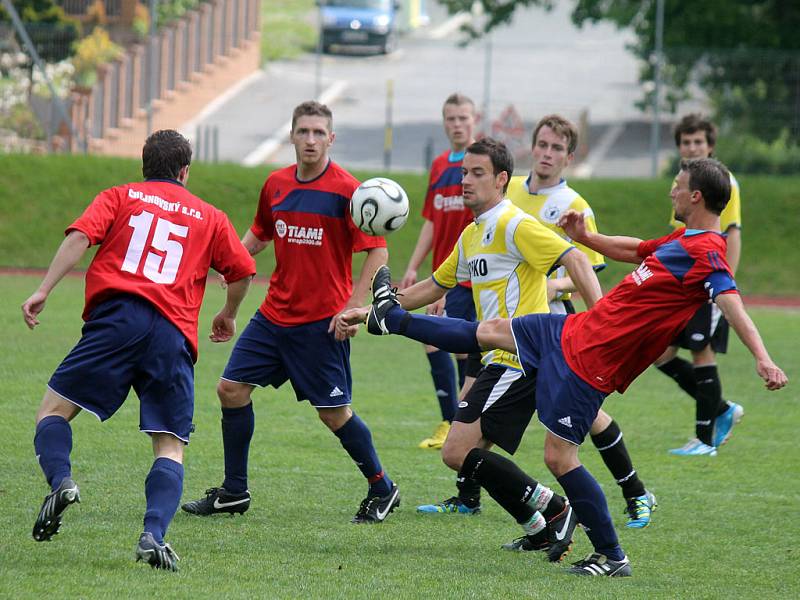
(125, 88)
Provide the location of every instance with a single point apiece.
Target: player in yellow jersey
(544, 193)
(706, 335)
(506, 255)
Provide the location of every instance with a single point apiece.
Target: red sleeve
(98, 217)
(228, 255)
(263, 225)
(427, 208)
(647, 247)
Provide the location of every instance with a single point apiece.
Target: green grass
(726, 527)
(39, 196)
(288, 28)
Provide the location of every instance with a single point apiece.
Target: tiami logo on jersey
(641, 274)
(309, 236)
(448, 203)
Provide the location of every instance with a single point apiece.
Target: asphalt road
(539, 64)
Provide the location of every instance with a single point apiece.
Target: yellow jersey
(731, 215)
(507, 255)
(547, 205)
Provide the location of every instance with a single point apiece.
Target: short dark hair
(712, 179)
(498, 153)
(164, 154)
(312, 108)
(560, 126)
(693, 123)
(458, 99)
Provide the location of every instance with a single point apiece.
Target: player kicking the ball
(582, 358)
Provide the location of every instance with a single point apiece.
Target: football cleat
(529, 543)
(436, 441)
(723, 424)
(384, 297)
(219, 500)
(375, 509)
(450, 506)
(559, 533)
(694, 447)
(158, 556)
(639, 510)
(54, 505)
(600, 565)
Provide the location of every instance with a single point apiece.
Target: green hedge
(40, 195)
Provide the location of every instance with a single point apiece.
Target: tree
(744, 54)
(49, 28)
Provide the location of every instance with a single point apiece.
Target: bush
(91, 52)
(21, 120)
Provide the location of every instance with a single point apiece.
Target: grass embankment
(39, 196)
(288, 27)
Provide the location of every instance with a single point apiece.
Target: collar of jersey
(544, 191)
(691, 232)
(306, 181)
(493, 212)
(456, 156)
(158, 180)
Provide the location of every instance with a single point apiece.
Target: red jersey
(315, 238)
(444, 206)
(609, 345)
(157, 241)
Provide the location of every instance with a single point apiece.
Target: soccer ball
(379, 206)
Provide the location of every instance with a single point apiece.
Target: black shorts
(474, 364)
(504, 400)
(707, 326)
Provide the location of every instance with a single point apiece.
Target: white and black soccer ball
(379, 206)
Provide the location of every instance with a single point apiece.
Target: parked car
(359, 22)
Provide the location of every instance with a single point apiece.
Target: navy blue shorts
(317, 365)
(567, 405)
(127, 343)
(459, 304)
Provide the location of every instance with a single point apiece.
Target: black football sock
(682, 372)
(505, 482)
(615, 455)
(469, 490)
(709, 398)
(462, 371)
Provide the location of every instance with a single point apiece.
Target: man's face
(682, 196)
(459, 123)
(311, 137)
(550, 154)
(694, 145)
(481, 185)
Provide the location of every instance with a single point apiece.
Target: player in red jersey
(582, 358)
(445, 218)
(144, 288)
(304, 211)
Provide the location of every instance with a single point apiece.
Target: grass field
(40, 195)
(726, 527)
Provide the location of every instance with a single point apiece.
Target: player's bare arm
(421, 250)
(253, 244)
(583, 276)
(67, 256)
(732, 307)
(374, 259)
(618, 247)
(223, 327)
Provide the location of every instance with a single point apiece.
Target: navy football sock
(444, 381)
(357, 441)
(589, 504)
(53, 443)
(237, 431)
(451, 335)
(162, 489)
(462, 371)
